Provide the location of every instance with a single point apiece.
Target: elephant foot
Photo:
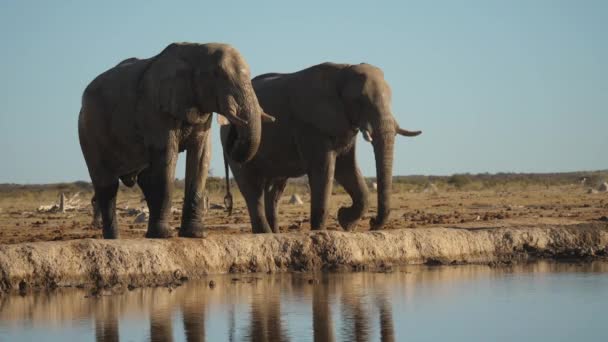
(262, 230)
(375, 224)
(159, 231)
(346, 220)
(110, 234)
(193, 230)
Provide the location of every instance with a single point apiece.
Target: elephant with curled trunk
(137, 116)
(319, 112)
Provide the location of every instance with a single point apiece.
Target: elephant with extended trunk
(319, 111)
(137, 116)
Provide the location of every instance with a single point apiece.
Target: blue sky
(514, 86)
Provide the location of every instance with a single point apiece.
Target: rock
(592, 191)
(48, 208)
(295, 199)
(141, 218)
(136, 212)
(64, 204)
(431, 188)
(215, 206)
(603, 187)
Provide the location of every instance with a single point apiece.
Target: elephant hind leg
(272, 193)
(350, 177)
(252, 188)
(105, 200)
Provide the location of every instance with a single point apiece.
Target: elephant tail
(228, 197)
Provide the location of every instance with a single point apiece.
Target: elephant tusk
(235, 119)
(222, 121)
(366, 136)
(407, 133)
(268, 118)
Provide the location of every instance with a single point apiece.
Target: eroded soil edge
(140, 262)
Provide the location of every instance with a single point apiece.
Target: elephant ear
(318, 104)
(176, 90)
(351, 86)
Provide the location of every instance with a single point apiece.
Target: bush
(459, 180)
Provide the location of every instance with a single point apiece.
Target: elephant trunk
(383, 144)
(244, 139)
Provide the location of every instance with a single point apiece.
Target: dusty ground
(439, 227)
(535, 206)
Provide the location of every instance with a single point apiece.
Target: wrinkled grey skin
(319, 111)
(137, 116)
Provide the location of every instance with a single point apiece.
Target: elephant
(319, 111)
(137, 116)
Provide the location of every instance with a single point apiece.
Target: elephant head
(190, 81)
(366, 97)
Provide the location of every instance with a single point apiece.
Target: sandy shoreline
(141, 262)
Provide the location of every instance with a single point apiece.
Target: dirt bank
(140, 262)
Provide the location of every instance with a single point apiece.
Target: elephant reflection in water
(192, 307)
(266, 324)
(387, 328)
(106, 322)
(161, 326)
(162, 307)
(357, 317)
(321, 313)
(194, 320)
(354, 314)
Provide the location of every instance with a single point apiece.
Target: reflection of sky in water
(540, 302)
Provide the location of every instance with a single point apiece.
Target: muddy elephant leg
(320, 176)
(272, 194)
(197, 168)
(252, 188)
(105, 198)
(350, 177)
(157, 184)
(96, 223)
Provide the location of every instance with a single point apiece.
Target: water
(538, 302)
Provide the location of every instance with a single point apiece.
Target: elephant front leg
(320, 176)
(157, 184)
(272, 194)
(350, 177)
(197, 167)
